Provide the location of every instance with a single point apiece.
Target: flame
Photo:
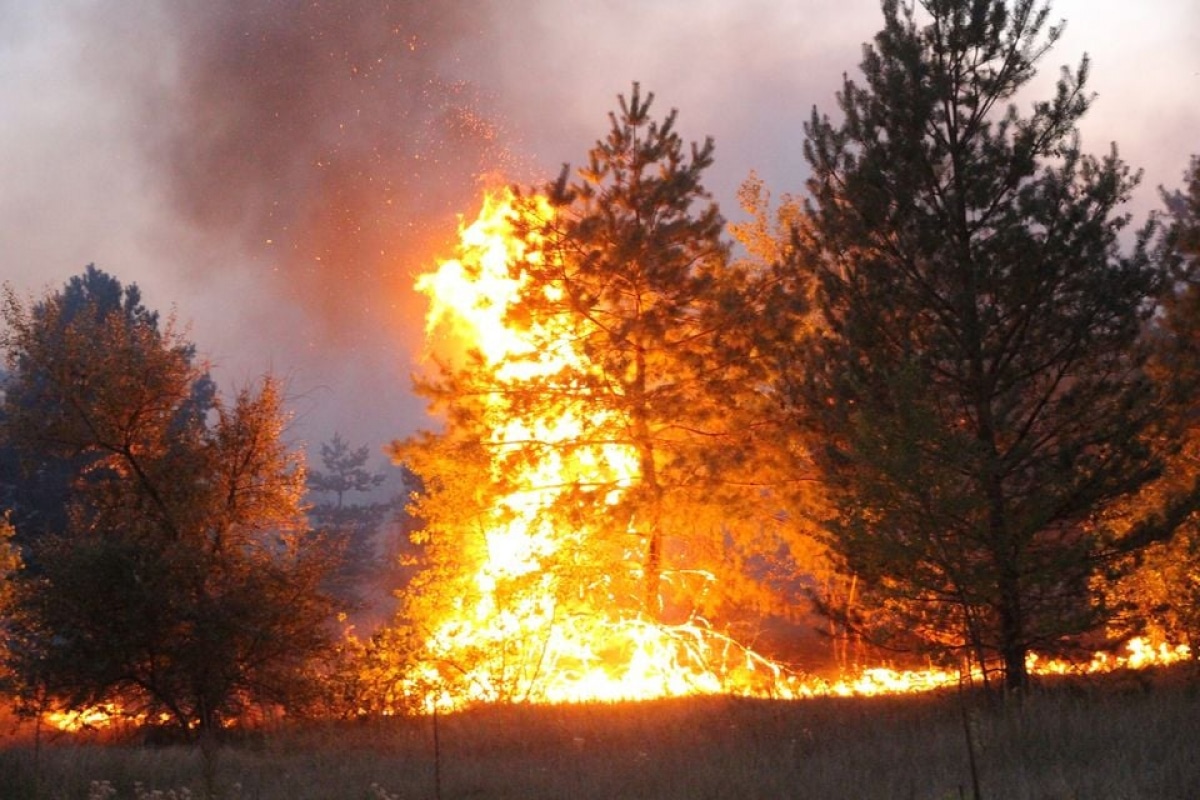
(101, 716)
(526, 645)
(95, 717)
(507, 644)
(522, 645)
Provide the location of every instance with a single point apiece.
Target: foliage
(184, 581)
(776, 341)
(977, 395)
(1161, 596)
(37, 484)
(635, 272)
(10, 563)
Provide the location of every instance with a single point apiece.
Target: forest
(937, 413)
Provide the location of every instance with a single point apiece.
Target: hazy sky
(277, 171)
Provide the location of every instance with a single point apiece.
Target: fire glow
(521, 644)
(601, 648)
(506, 644)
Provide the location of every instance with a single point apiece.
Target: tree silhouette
(978, 395)
(350, 526)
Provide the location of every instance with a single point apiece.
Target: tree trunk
(653, 573)
(644, 442)
(1012, 635)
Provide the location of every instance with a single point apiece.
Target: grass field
(1116, 737)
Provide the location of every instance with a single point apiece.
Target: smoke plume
(335, 143)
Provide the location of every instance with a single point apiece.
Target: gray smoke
(329, 134)
(280, 170)
(335, 143)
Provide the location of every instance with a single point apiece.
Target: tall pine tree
(639, 275)
(626, 291)
(978, 395)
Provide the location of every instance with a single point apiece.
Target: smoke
(327, 133)
(280, 170)
(319, 153)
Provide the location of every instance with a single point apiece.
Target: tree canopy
(183, 579)
(978, 393)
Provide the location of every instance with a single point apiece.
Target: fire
(516, 636)
(98, 717)
(522, 632)
(95, 717)
(535, 643)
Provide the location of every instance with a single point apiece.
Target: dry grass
(1119, 738)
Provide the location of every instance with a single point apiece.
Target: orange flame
(598, 650)
(521, 645)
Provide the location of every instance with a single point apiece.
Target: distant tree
(351, 525)
(977, 395)
(345, 471)
(184, 580)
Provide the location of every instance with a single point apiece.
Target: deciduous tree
(184, 579)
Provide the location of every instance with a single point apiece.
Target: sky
(277, 172)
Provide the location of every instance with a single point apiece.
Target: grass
(1117, 737)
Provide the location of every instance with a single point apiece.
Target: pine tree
(350, 524)
(978, 395)
(637, 314)
(638, 272)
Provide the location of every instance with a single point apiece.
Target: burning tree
(1161, 595)
(184, 582)
(578, 528)
(979, 395)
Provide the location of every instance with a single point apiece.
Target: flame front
(530, 644)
